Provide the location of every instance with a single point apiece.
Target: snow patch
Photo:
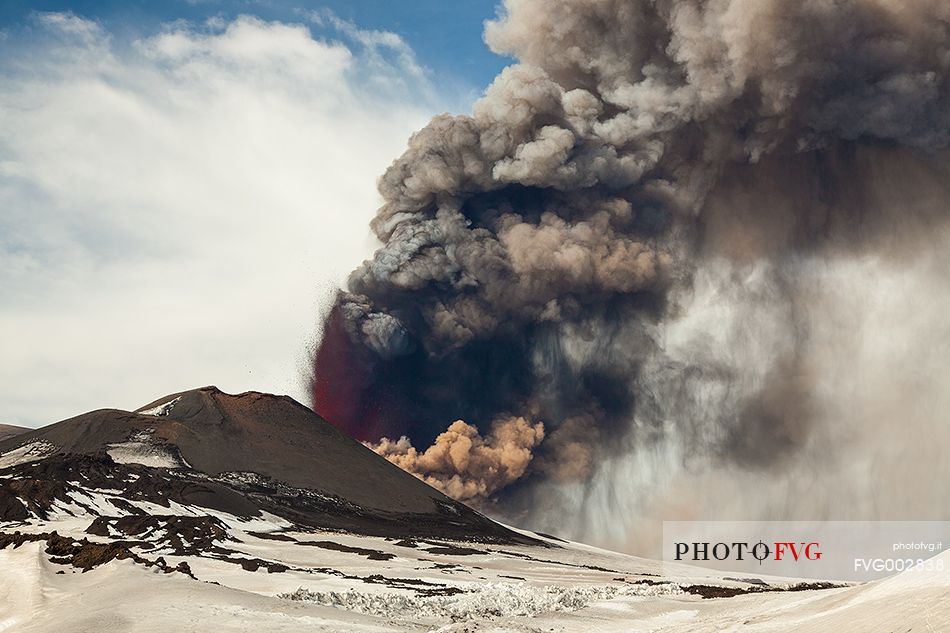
(489, 600)
(26, 453)
(264, 522)
(144, 453)
(162, 409)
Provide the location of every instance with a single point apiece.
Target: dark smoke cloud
(534, 252)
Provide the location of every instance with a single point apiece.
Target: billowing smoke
(653, 235)
(463, 464)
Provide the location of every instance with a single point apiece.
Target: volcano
(242, 454)
(204, 510)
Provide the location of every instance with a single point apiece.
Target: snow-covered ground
(261, 575)
(105, 526)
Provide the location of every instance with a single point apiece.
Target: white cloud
(383, 50)
(175, 210)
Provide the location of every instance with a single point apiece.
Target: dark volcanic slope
(8, 430)
(310, 472)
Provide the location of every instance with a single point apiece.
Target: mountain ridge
(11, 430)
(239, 451)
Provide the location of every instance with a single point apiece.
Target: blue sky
(445, 34)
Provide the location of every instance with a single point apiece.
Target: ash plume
(463, 464)
(634, 239)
